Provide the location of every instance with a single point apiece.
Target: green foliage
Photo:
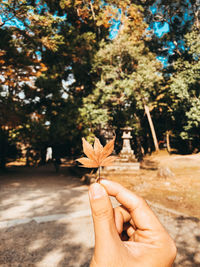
(127, 76)
(185, 88)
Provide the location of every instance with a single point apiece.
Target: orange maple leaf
(97, 156)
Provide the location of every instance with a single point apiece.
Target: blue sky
(159, 28)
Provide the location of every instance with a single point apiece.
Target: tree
(128, 77)
(44, 45)
(185, 89)
(177, 17)
(25, 32)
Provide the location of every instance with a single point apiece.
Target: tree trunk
(151, 127)
(168, 142)
(140, 150)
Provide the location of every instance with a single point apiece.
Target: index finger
(140, 212)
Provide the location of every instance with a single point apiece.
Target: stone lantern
(126, 162)
(127, 153)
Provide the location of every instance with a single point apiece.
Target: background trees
(185, 90)
(128, 78)
(63, 75)
(46, 58)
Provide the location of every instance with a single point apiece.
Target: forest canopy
(78, 68)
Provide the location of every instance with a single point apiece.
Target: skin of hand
(129, 235)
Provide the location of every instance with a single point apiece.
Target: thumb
(103, 217)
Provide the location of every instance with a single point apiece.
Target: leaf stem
(99, 172)
(98, 177)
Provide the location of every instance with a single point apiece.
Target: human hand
(129, 235)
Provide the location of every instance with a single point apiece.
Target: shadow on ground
(45, 244)
(187, 240)
(185, 231)
(28, 192)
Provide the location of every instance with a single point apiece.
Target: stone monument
(126, 161)
(127, 154)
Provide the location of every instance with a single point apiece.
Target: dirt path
(45, 221)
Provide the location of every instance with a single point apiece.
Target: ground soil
(40, 192)
(179, 190)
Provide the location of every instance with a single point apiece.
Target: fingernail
(97, 191)
(104, 181)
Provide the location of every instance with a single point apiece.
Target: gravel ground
(61, 241)
(185, 231)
